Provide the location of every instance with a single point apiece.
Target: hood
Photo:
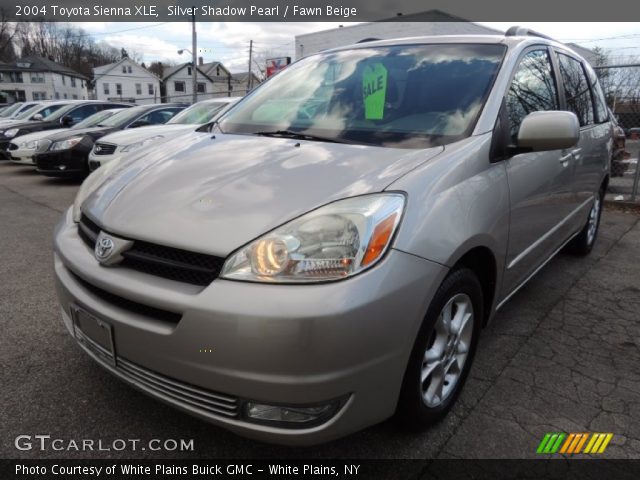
(93, 132)
(133, 135)
(37, 135)
(213, 195)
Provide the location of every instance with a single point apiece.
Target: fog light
(291, 416)
(62, 167)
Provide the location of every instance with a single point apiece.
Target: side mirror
(139, 123)
(37, 116)
(67, 121)
(552, 130)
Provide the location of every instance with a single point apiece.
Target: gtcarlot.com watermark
(47, 443)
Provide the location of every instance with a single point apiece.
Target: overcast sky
(229, 42)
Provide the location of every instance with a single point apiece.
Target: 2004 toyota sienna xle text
(328, 255)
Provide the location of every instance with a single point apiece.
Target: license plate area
(95, 334)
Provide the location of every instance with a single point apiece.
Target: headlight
(32, 145)
(142, 143)
(66, 144)
(11, 132)
(333, 242)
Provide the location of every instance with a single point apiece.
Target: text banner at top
(318, 11)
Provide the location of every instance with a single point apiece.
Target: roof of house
(104, 69)
(210, 66)
(242, 76)
(173, 70)
(40, 64)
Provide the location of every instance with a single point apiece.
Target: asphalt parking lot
(562, 356)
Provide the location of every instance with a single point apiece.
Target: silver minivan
(327, 255)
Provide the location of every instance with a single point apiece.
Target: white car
(119, 144)
(22, 149)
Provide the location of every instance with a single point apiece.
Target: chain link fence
(621, 85)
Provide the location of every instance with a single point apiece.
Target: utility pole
(249, 72)
(194, 60)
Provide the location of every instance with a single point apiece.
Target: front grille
(175, 390)
(104, 148)
(159, 260)
(129, 305)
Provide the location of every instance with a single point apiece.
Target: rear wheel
(443, 352)
(583, 243)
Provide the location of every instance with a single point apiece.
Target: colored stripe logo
(572, 443)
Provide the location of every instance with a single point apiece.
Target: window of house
(64, 81)
(37, 77)
(105, 88)
(576, 89)
(74, 96)
(218, 71)
(532, 89)
(179, 86)
(65, 96)
(39, 95)
(124, 69)
(16, 77)
(150, 85)
(129, 68)
(73, 81)
(202, 87)
(57, 95)
(118, 89)
(188, 70)
(138, 89)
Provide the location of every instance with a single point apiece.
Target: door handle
(576, 153)
(566, 158)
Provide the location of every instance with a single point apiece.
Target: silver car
(328, 254)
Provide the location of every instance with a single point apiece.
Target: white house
(38, 78)
(126, 81)
(178, 84)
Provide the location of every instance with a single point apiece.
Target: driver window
(533, 89)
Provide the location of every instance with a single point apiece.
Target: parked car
(35, 113)
(618, 165)
(67, 153)
(63, 118)
(123, 143)
(18, 108)
(22, 149)
(634, 133)
(9, 109)
(338, 241)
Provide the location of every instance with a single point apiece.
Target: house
(241, 84)
(432, 22)
(39, 78)
(126, 81)
(214, 80)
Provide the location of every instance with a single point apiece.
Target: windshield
(94, 119)
(45, 111)
(124, 117)
(406, 96)
(199, 113)
(10, 109)
(28, 112)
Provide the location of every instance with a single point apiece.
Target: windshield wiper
(299, 136)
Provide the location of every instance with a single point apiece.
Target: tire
(583, 243)
(419, 405)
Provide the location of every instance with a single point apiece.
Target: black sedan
(66, 154)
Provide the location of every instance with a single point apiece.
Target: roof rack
(517, 31)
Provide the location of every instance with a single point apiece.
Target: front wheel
(583, 243)
(443, 352)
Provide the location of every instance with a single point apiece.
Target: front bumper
(62, 163)
(22, 156)
(276, 344)
(96, 161)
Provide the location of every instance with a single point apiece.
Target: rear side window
(576, 89)
(533, 89)
(599, 102)
(83, 112)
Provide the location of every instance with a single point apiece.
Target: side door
(540, 183)
(584, 97)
